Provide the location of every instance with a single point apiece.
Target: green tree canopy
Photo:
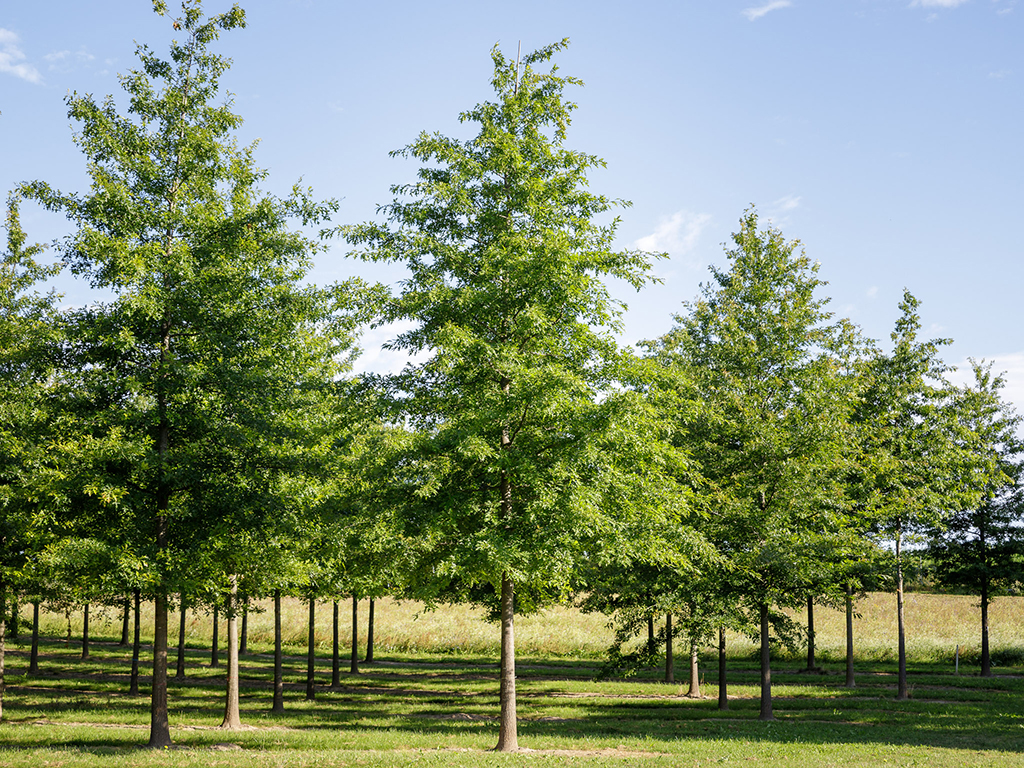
(519, 469)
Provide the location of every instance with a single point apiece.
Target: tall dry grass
(936, 624)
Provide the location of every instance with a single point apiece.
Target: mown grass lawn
(426, 707)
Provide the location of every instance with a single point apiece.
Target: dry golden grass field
(936, 625)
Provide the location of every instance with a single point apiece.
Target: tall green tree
(207, 360)
(981, 548)
(916, 459)
(520, 431)
(775, 373)
(28, 332)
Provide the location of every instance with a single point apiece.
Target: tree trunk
(508, 734)
(278, 705)
(133, 688)
(811, 664)
(159, 727)
(243, 641)
(694, 690)
(126, 612)
(723, 692)
(13, 629)
(670, 666)
(159, 724)
(901, 694)
(850, 682)
(766, 668)
(986, 659)
(3, 643)
(369, 634)
(310, 651)
(232, 719)
(85, 632)
(215, 644)
(182, 609)
(336, 651)
(33, 659)
(354, 664)
(652, 644)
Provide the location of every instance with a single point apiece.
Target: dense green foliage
(194, 435)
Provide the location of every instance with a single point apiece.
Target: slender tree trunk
(33, 659)
(766, 668)
(901, 694)
(160, 728)
(508, 729)
(311, 652)
(14, 628)
(354, 664)
(126, 612)
(3, 643)
(243, 641)
(159, 724)
(811, 664)
(182, 615)
(133, 688)
(986, 659)
(336, 651)
(85, 632)
(508, 735)
(215, 644)
(723, 691)
(278, 705)
(694, 690)
(652, 644)
(232, 717)
(850, 681)
(369, 634)
(670, 666)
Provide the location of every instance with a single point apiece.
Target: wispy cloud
(872, 292)
(753, 14)
(787, 203)
(66, 61)
(376, 359)
(12, 59)
(937, 3)
(999, 74)
(677, 234)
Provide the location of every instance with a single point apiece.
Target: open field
(426, 702)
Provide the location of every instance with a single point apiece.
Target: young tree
(981, 548)
(518, 423)
(211, 349)
(915, 458)
(27, 332)
(773, 370)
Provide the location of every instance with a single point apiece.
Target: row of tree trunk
(233, 637)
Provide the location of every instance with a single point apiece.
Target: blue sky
(886, 135)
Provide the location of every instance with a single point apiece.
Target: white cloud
(999, 74)
(787, 203)
(677, 234)
(753, 14)
(385, 361)
(872, 292)
(12, 59)
(937, 3)
(65, 61)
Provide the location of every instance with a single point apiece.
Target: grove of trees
(196, 437)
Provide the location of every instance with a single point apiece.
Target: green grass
(434, 706)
